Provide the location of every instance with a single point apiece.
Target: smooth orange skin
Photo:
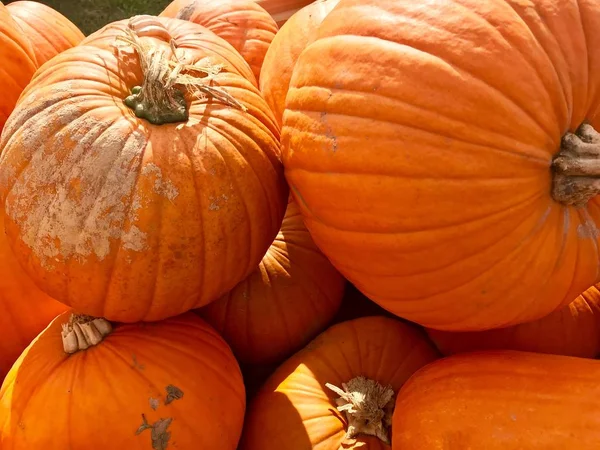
(282, 10)
(94, 399)
(421, 159)
(17, 63)
(24, 310)
(290, 298)
(135, 221)
(500, 400)
(280, 60)
(573, 330)
(295, 411)
(242, 23)
(49, 32)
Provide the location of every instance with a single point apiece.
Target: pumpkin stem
(82, 332)
(576, 168)
(368, 407)
(161, 98)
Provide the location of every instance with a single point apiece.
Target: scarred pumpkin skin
(421, 161)
(24, 310)
(294, 410)
(243, 23)
(500, 400)
(573, 330)
(292, 38)
(291, 297)
(17, 63)
(282, 10)
(48, 30)
(127, 220)
(99, 398)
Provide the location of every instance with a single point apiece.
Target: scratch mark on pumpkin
(136, 364)
(173, 393)
(159, 432)
(154, 403)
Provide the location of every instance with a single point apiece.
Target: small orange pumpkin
(573, 330)
(290, 298)
(24, 310)
(163, 385)
(362, 363)
(48, 30)
(280, 60)
(500, 400)
(142, 184)
(17, 63)
(242, 23)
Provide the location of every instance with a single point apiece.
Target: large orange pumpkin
(360, 364)
(242, 23)
(24, 310)
(140, 187)
(573, 330)
(17, 63)
(439, 158)
(285, 49)
(48, 30)
(502, 400)
(291, 297)
(170, 384)
(282, 10)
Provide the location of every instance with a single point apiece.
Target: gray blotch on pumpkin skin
(173, 393)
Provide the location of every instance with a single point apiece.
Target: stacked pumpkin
(184, 196)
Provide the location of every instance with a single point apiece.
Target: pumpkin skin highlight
(573, 330)
(291, 297)
(421, 161)
(136, 221)
(95, 408)
(17, 63)
(26, 310)
(496, 400)
(282, 10)
(294, 36)
(294, 410)
(49, 32)
(243, 23)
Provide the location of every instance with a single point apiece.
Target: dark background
(90, 15)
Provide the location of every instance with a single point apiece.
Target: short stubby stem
(576, 167)
(170, 108)
(82, 332)
(368, 406)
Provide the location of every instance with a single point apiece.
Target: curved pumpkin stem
(82, 332)
(161, 97)
(576, 168)
(368, 407)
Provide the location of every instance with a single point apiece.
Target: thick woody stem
(167, 78)
(82, 332)
(576, 167)
(368, 407)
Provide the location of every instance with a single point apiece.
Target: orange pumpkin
(141, 184)
(242, 23)
(291, 297)
(500, 400)
(447, 173)
(285, 49)
(170, 384)
(360, 364)
(17, 63)
(48, 30)
(573, 330)
(282, 10)
(25, 310)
